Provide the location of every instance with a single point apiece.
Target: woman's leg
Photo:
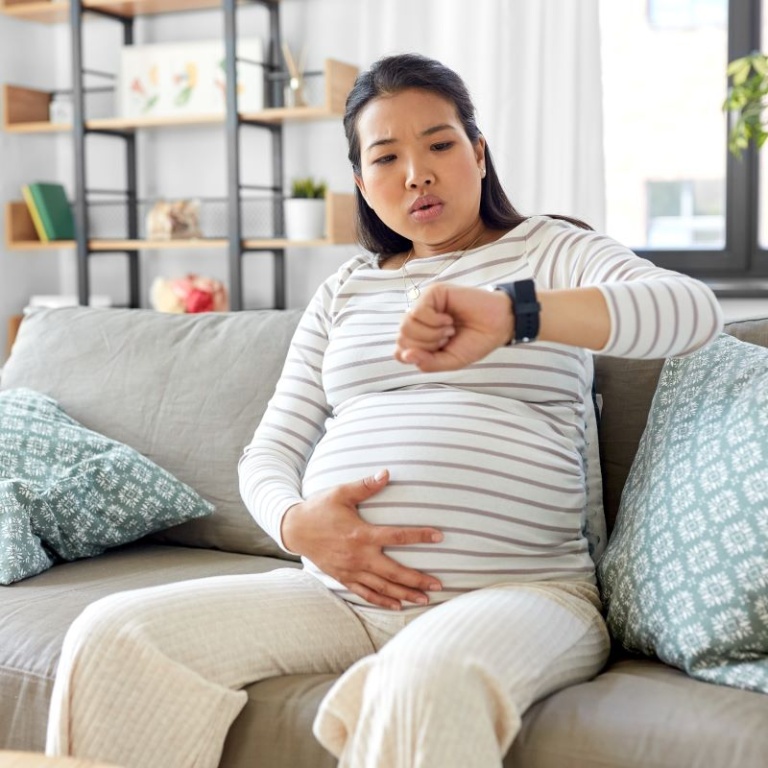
(150, 678)
(451, 688)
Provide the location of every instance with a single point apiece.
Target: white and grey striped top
(493, 454)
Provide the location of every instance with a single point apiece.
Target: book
(53, 210)
(33, 213)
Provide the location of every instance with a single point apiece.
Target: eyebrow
(427, 132)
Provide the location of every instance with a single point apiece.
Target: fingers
(402, 585)
(430, 362)
(365, 488)
(354, 557)
(380, 579)
(401, 536)
(424, 329)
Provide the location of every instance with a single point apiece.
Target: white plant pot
(304, 218)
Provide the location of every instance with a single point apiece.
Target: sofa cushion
(67, 492)
(639, 713)
(636, 714)
(36, 614)
(212, 375)
(626, 388)
(685, 575)
(593, 523)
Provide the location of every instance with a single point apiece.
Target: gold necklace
(414, 291)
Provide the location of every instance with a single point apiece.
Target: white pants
(152, 678)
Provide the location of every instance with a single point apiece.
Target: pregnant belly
(508, 502)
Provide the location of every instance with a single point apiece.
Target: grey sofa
(187, 391)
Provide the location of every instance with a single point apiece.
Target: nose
(418, 176)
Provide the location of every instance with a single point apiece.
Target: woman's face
(419, 171)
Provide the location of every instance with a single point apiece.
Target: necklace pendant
(413, 293)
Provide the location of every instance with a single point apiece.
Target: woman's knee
(444, 674)
(116, 621)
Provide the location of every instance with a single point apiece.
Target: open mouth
(426, 204)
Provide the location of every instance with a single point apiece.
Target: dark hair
(389, 76)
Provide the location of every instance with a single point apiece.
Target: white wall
(25, 158)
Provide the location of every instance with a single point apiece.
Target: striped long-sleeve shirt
(493, 454)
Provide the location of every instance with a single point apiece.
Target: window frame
(741, 267)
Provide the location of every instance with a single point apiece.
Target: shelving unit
(20, 234)
(26, 110)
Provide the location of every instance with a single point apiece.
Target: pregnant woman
(446, 576)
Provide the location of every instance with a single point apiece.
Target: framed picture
(166, 79)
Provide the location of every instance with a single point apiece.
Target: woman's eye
(384, 159)
(441, 146)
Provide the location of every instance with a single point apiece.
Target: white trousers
(152, 678)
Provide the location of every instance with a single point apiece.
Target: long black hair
(387, 77)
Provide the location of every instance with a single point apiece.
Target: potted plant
(748, 101)
(305, 210)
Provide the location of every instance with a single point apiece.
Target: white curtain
(533, 68)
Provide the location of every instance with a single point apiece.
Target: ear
(361, 186)
(480, 150)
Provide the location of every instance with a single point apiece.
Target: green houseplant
(308, 187)
(748, 101)
(305, 209)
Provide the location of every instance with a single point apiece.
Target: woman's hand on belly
(327, 529)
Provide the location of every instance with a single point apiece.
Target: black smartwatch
(525, 308)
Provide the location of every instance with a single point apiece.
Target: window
(687, 13)
(674, 193)
(686, 214)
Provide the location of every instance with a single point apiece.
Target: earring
(482, 171)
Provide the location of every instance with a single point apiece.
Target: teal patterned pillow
(685, 574)
(67, 492)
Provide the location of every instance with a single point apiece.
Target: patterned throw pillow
(67, 492)
(685, 574)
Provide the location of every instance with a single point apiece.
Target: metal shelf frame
(232, 125)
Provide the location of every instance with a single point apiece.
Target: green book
(54, 210)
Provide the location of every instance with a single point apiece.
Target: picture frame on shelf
(178, 79)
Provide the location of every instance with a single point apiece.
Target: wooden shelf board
(56, 11)
(127, 124)
(26, 109)
(45, 12)
(21, 235)
(274, 116)
(281, 242)
(162, 245)
(287, 114)
(37, 127)
(36, 245)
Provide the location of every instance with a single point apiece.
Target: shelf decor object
(305, 210)
(294, 90)
(175, 220)
(188, 294)
(50, 211)
(166, 79)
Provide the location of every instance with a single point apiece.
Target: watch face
(526, 310)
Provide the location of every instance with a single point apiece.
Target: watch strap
(525, 308)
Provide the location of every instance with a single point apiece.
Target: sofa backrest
(627, 388)
(187, 391)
